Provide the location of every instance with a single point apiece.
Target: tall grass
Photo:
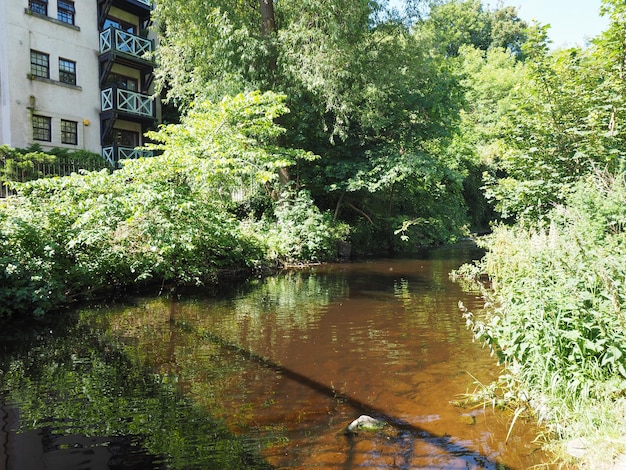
(556, 314)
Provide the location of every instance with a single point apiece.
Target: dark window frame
(67, 71)
(69, 132)
(39, 64)
(42, 128)
(38, 6)
(66, 13)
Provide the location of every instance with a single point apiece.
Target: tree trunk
(267, 16)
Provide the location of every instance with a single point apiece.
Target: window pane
(42, 128)
(122, 81)
(126, 138)
(120, 24)
(65, 11)
(38, 6)
(39, 64)
(67, 71)
(69, 132)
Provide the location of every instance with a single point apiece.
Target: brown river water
(280, 366)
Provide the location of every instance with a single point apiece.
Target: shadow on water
(405, 432)
(69, 400)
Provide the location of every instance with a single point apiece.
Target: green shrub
(30, 274)
(299, 232)
(556, 311)
(27, 164)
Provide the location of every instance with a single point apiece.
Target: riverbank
(71, 238)
(555, 318)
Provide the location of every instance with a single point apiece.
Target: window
(122, 81)
(69, 132)
(67, 71)
(65, 11)
(119, 24)
(126, 138)
(123, 138)
(42, 128)
(38, 6)
(39, 64)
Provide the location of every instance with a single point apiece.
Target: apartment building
(76, 74)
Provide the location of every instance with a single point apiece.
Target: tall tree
(568, 120)
(364, 94)
(268, 23)
(452, 24)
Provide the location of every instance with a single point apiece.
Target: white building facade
(76, 75)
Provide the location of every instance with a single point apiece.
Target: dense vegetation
(19, 165)
(307, 123)
(554, 159)
(166, 219)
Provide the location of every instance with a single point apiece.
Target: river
(266, 375)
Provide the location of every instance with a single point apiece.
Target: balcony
(114, 40)
(114, 153)
(132, 104)
(140, 8)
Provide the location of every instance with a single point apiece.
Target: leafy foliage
(556, 319)
(161, 219)
(453, 24)
(32, 163)
(300, 231)
(235, 141)
(365, 94)
(562, 126)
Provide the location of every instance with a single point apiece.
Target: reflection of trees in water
(391, 312)
(276, 309)
(171, 338)
(74, 383)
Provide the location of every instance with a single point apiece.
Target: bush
(557, 308)
(162, 219)
(32, 163)
(31, 275)
(150, 221)
(299, 232)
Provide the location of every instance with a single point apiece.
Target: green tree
(234, 141)
(454, 23)
(564, 123)
(365, 95)
(168, 218)
(489, 80)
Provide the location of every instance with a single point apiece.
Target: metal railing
(10, 171)
(122, 41)
(114, 153)
(117, 99)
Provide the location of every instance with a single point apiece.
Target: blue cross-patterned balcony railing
(114, 153)
(113, 39)
(118, 99)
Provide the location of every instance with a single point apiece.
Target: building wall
(21, 95)
(5, 116)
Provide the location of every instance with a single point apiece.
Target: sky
(571, 22)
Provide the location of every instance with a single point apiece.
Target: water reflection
(67, 400)
(285, 364)
(295, 358)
